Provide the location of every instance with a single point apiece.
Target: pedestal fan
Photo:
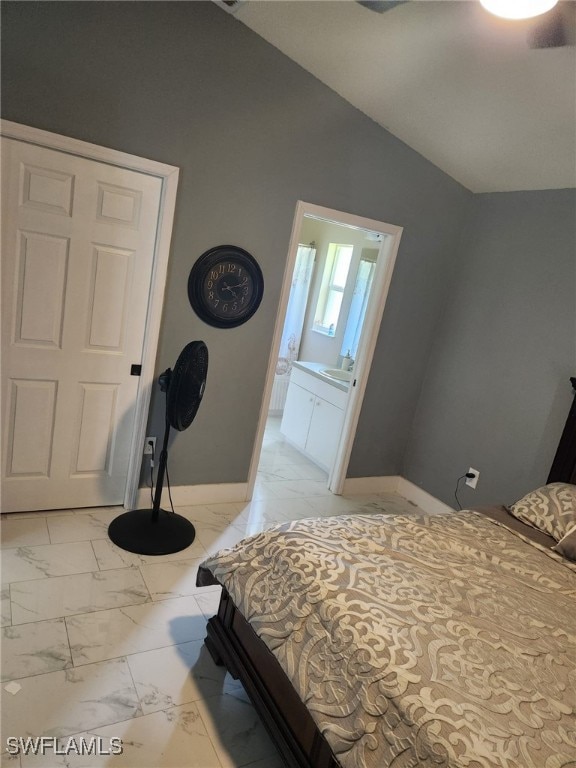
(155, 531)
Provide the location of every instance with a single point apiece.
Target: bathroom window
(359, 304)
(332, 288)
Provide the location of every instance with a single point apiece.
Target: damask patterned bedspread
(417, 640)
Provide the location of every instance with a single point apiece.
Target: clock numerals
(225, 268)
(225, 286)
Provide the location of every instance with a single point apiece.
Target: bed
(377, 641)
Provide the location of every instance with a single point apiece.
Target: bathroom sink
(337, 373)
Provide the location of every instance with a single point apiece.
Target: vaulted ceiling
(455, 83)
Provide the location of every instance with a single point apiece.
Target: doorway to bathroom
(336, 280)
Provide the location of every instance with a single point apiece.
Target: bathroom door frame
(367, 344)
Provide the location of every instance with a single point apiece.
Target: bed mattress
(417, 640)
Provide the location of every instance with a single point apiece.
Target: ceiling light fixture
(518, 9)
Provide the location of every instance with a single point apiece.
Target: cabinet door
(297, 414)
(324, 433)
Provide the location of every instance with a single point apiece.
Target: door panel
(31, 408)
(41, 268)
(78, 240)
(112, 277)
(46, 190)
(95, 427)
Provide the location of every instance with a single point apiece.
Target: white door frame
(169, 177)
(373, 319)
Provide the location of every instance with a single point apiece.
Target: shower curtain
(293, 324)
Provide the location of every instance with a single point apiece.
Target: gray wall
(497, 390)
(186, 84)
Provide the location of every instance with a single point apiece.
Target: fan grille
(187, 384)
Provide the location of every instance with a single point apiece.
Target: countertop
(315, 369)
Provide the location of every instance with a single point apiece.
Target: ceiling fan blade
(380, 6)
(555, 29)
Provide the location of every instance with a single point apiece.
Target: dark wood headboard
(564, 465)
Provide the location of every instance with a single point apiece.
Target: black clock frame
(196, 281)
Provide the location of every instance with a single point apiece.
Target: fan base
(135, 531)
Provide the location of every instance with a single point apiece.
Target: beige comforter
(417, 641)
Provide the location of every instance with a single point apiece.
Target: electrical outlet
(472, 481)
(149, 450)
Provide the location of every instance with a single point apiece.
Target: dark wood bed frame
(233, 643)
(564, 465)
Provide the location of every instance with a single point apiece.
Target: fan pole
(153, 531)
(161, 472)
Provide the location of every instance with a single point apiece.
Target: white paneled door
(78, 239)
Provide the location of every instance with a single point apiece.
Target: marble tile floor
(99, 642)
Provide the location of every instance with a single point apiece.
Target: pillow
(567, 545)
(551, 508)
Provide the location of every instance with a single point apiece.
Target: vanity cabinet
(297, 415)
(313, 417)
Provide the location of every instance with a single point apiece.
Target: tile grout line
(10, 604)
(80, 612)
(95, 556)
(133, 684)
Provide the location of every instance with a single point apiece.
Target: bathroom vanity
(314, 411)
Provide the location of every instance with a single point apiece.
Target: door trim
(382, 279)
(169, 177)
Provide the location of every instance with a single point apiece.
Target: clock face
(225, 286)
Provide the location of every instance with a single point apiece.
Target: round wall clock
(225, 286)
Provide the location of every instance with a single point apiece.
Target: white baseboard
(422, 498)
(189, 495)
(362, 486)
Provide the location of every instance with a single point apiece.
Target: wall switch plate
(472, 481)
(149, 450)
